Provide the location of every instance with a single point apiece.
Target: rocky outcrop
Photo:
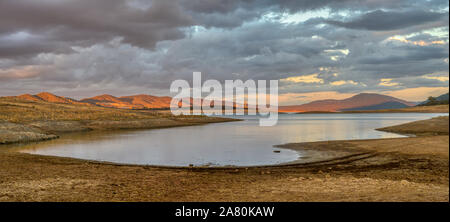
(13, 133)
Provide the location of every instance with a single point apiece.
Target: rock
(14, 133)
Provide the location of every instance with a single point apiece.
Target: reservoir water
(242, 143)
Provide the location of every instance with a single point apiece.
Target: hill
(360, 101)
(440, 100)
(31, 118)
(47, 97)
(382, 106)
(130, 102)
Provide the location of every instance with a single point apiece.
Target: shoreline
(414, 109)
(315, 157)
(394, 169)
(24, 121)
(43, 132)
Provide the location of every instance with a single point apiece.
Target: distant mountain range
(386, 105)
(130, 102)
(141, 101)
(48, 97)
(440, 100)
(124, 102)
(363, 101)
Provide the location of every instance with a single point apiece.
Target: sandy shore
(402, 169)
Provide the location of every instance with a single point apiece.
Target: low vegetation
(398, 169)
(432, 101)
(43, 120)
(434, 126)
(23, 111)
(414, 109)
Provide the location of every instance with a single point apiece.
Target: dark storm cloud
(81, 23)
(380, 20)
(422, 82)
(230, 20)
(23, 45)
(227, 6)
(294, 6)
(140, 46)
(55, 26)
(414, 54)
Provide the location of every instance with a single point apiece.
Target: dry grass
(23, 111)
(403, 169)
(389, 176)
(414, 109)
(434, 126)
(25, 121)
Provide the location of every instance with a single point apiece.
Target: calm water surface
(242, 143)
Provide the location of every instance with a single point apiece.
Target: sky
(318, 49)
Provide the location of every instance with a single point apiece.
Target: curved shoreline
(47, 130)
(317, 156)
(295, 163)
(398, 169)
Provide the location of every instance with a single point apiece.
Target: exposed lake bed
(394, 169)
(241, 143)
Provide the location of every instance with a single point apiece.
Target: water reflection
(242, 143)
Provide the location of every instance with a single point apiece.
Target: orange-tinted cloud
(418, 43)
(417, 94)
(313, 78)
(23, 72)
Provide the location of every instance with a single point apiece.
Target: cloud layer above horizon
(80, 48)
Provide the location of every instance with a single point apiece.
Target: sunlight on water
(242, 143)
